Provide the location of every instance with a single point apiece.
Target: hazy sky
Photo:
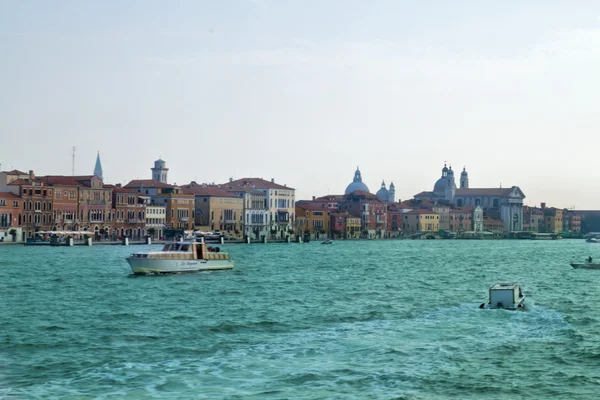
(304, 91)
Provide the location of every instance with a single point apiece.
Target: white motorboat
(180, 257)
(505, 295)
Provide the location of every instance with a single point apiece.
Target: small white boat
(592, 240)
(180, 257)
(327, 242)
(505, 296)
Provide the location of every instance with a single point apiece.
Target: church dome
(383, 194)
(440, 187)
(464, 172)
(357, 184)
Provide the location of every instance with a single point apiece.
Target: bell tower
(160, 171)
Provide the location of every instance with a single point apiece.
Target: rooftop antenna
(73, 161)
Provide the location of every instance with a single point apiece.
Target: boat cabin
(191, 251)
(506, 295)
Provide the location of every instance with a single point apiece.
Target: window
(2, 202)
(16, 203)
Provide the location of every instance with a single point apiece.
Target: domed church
(357, 184)
(384, 194)
(506, 202)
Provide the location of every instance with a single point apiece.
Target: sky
(306, 91)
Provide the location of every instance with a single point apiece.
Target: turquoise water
(355, 320)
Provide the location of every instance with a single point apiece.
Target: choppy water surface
(355, 320)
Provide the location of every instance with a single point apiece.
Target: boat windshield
(176, 247)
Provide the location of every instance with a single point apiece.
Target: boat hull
(586, 266)
(147, 266)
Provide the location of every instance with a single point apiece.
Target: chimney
(314, 198)
(272, 180)
(230, 179)
(31, 175)
(543, 205)
(118, 185)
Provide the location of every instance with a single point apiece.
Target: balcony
(96, 202)
(133, 221)
(184, 219)
(230, 221)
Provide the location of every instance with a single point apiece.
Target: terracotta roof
(9, 195)
(200, 190)
(255, 183)
(312, 206)
(15, 172)
(484, 192)
(461, 210)
(18, 182)
(60, 180)
(422, 212)
(362, 193)
(424, 194)
(117, 189)
(147, 183)
(331, 197)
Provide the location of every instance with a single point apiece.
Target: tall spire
(98, 167)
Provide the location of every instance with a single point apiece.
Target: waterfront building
(128, 214)
(493, 225)
(280, 199)
(180, 214)
(95, 203)
(156, 218)
(353, 225)
(553, 220)
(533, 219)
(443, 211)
(37, 205)
(337, 224)
(255, 221)
(394, 219)
(313, 220)
(370, 209)
(460, 219)
(571, 221)
(216, 209)
(419, 220)
(65, 213)
(11, 217)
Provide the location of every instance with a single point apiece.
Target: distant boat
(586, 265)
(37, 242)
(592, 240)
(327, 242)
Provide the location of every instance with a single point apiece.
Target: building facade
(280, 200)
(216, 209)
(11, 217)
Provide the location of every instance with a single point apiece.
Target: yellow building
(217, 209)
(420, 221)
(352, 228)
(553, 220)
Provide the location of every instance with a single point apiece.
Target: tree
(13, 233)
(152, 232)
